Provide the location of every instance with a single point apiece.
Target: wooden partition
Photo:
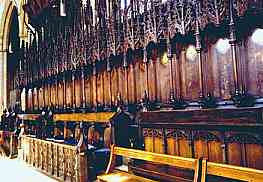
(63, 162)
(59, 155)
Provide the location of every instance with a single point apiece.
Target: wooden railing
(63, 162)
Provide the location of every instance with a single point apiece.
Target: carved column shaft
(57, 91)
(182, 71)
(83, 88)
(125, 66)
(170, 59)
(199, 54)
(109, 76)
(38, 102)
(95, 96)
(232, 42)
(73, 99)
(145, 61)
(64, 91)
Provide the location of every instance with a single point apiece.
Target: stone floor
(12, 170)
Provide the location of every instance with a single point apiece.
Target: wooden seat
(113, 175)
(119, 176)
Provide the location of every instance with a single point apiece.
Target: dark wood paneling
(132, 84)
(220, 135)
(154, 77)
(41, 97)
(254, 155)
(141, 79)
(191, 74)
(107, 87)
(88, 91)
(69, 93)
(115, 84)
(122, 82)
(53, 94)
(163, 79)
(94, 90)
(255, 67)
(35, 99)
(222, 68)
(60, 94)
(152, 80)
(78, 92)
(30, 99)
(100, 89)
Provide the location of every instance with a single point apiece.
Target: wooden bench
(113, 175)
(230, 172)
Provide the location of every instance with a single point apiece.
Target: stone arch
(6, 23)
(5, 29)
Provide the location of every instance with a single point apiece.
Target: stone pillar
(3, 75)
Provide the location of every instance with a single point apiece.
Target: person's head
(10, 109)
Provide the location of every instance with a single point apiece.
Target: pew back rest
(107, 137)
(93, 135)
(231, 172)
(181, 162)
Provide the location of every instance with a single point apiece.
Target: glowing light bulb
(257, 37)
(164, 59)
(191, 53)
(222, 46)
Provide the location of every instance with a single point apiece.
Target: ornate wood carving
(56, 159)
(128, 40)
(206, 135)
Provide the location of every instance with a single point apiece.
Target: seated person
(70, 138)
(59, 136)
(101, 150)
(93, 138)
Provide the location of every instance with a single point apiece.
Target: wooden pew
(121, 176)
(230, 172)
